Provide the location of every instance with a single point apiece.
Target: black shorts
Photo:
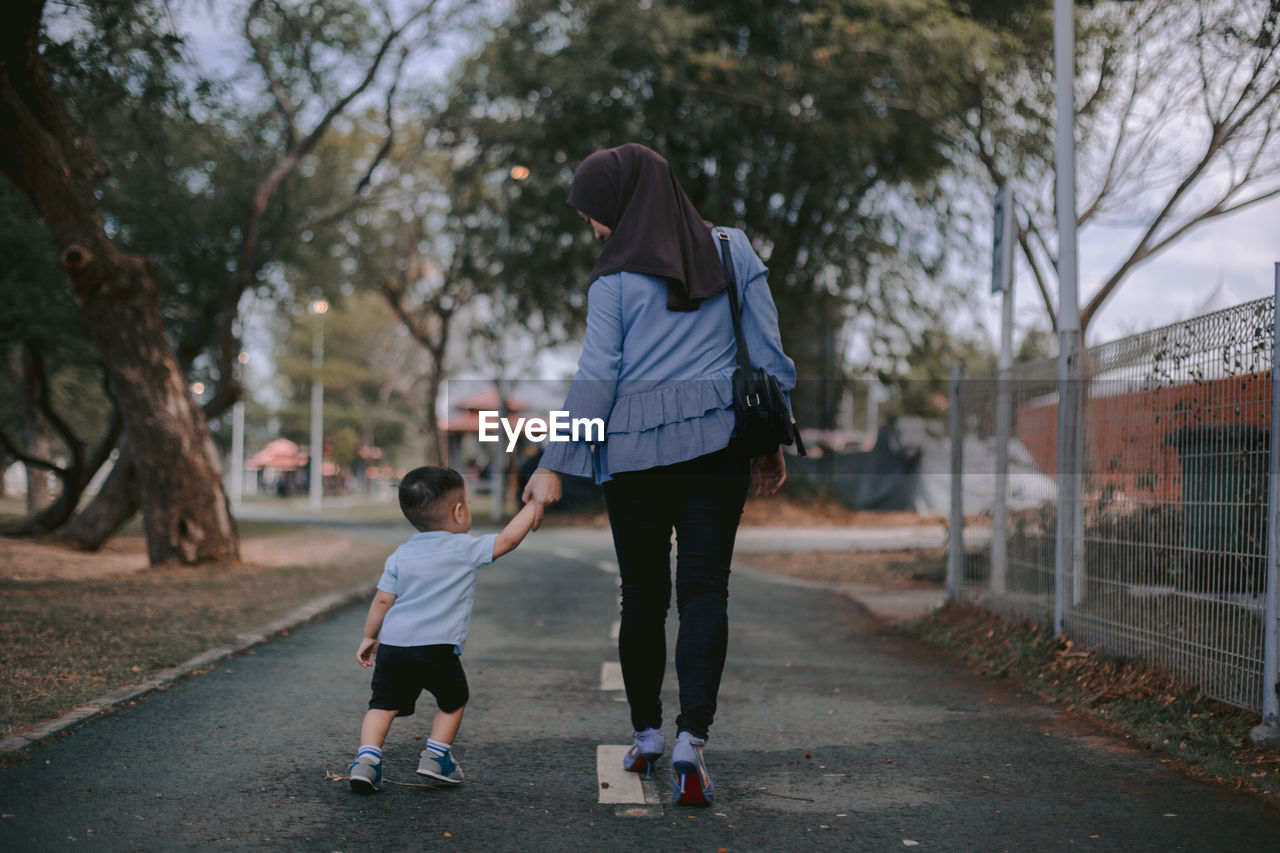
(401, 673)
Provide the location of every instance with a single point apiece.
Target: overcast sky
(1239, 250)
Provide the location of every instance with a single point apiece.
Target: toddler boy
(417, 624)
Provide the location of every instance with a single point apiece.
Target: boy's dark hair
(425, 493)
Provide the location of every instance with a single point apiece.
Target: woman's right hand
(768, 473)
(542, 490)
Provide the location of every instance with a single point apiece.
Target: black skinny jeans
(702, 500)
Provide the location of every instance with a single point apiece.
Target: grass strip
(63, 643)
(1208, 739)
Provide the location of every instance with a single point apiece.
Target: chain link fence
(1170, 552)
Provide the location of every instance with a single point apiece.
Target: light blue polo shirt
(433, 577)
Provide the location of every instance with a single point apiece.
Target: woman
(657, 363)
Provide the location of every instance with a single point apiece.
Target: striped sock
(369, 749)
(435, 747)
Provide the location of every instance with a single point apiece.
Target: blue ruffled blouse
(661, 380)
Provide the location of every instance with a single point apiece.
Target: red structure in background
(1131, 436)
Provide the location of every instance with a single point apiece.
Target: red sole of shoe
(691, 790)
(641, 765)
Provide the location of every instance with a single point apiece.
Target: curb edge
(312, 611)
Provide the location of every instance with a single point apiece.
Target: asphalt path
(833, 734)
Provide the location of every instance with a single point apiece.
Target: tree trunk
(436, 451)
(115, 503)
(35, 437)
(49, 159)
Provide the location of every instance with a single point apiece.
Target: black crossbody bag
(763, 418)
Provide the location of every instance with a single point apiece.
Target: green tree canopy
(812, 125)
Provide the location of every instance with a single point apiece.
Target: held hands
(367, 652)
(768, 473)
(542, 491)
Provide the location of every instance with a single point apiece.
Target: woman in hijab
(657, 365)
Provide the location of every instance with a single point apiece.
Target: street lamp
(237, 436)
(498, 468)
(1066, 558)
(316, 484)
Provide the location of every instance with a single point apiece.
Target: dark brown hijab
(656, 229)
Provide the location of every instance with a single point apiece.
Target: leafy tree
(49, 157)
(813, 126)
(1176, 124)
(239, 194)
(371, 374)
(44, 340)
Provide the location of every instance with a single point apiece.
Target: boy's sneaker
(365, 775)
(439, 767)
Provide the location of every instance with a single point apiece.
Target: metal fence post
(1000, 508)
(1067, 545)
(1268, 733)
(955, 549)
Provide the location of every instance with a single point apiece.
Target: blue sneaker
(690, 783)
(443, 768)
(366, 774)
(646, 748)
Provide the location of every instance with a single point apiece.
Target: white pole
(237, 454)
(498, 463)
(873, 409)
(1003, 274)
(317, 409)
(955, 544)
(1267, 734)
(1068, 313)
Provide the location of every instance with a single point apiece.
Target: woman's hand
(542, 490)
(769, 472)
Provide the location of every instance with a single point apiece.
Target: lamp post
(1067, 558)
(498, 468)
(316, 480)
(237, 439)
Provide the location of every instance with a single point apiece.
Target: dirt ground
(28, 560)
(783, 511)
(1203, 738)
(922, 569)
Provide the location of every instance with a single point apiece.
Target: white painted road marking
(614, 630)
(564, 553)
(607, 566)
(611, 676)
(615, 784)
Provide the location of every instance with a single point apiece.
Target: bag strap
(726, 258)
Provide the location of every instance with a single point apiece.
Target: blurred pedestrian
(657, 364)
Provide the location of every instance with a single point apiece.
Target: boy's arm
(372, 626)
(515, 531)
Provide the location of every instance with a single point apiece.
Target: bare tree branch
(283, 102)
(1029, 253)
(26, 459)
(387, 143)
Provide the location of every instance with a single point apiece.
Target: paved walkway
(832, 734)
